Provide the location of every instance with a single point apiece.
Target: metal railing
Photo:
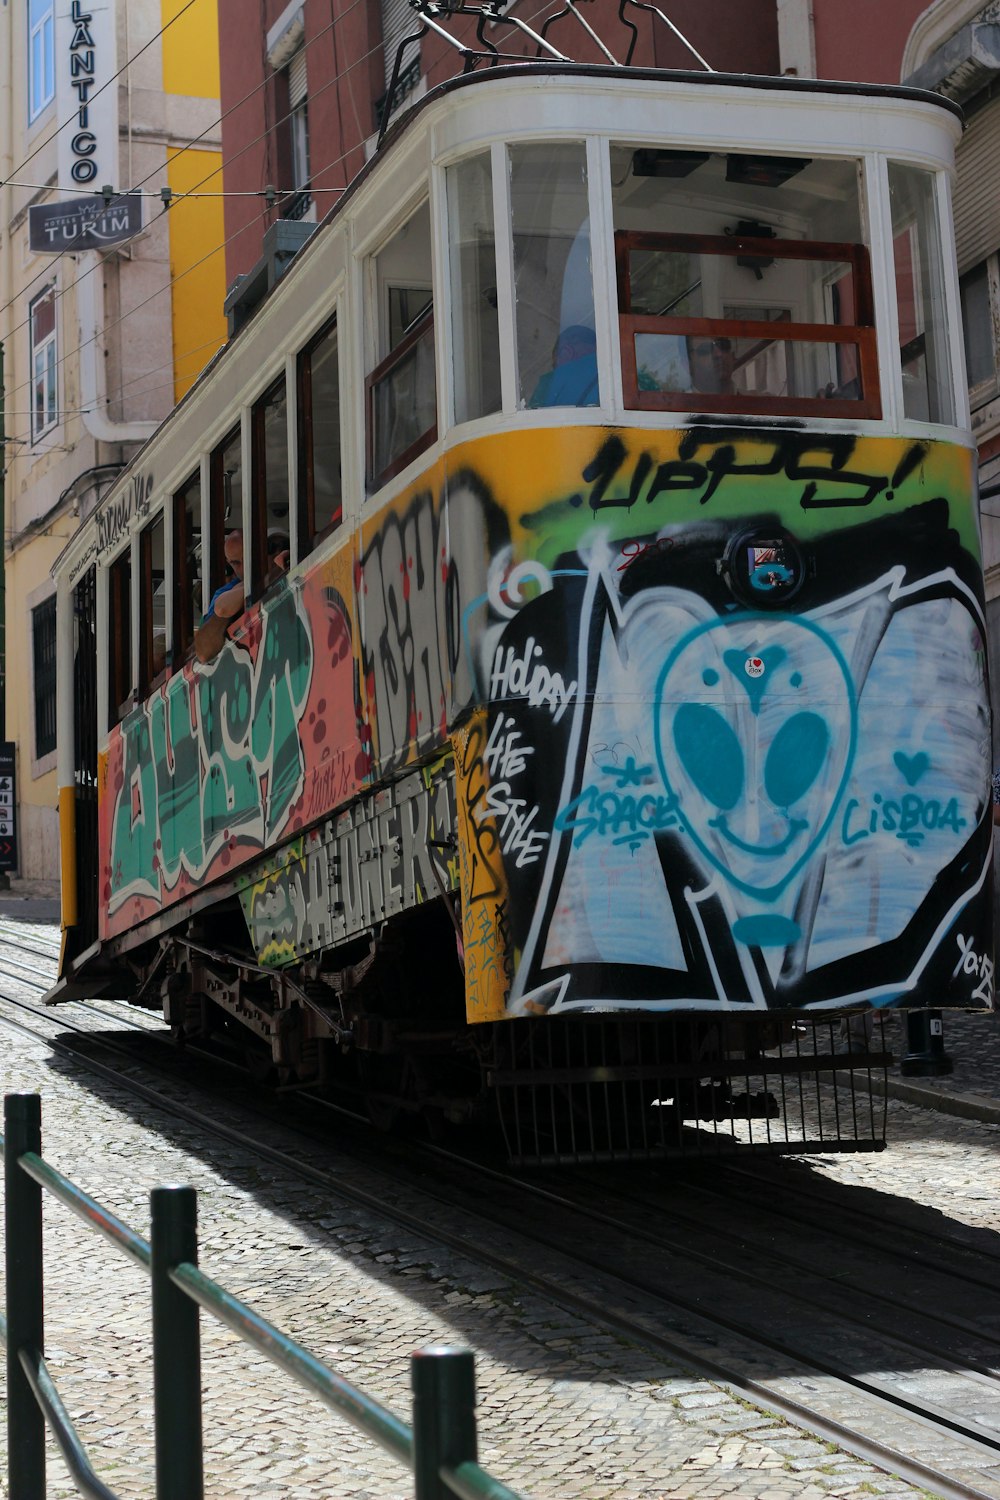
(440, 1449)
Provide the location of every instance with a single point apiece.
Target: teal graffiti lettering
(134, 831)
(230, 796)
(284, 669)
(910, 818)
(624, 817)
(178, 777)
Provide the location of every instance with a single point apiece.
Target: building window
(43, 650)
(41, 55)
(295, 143)
(980, 293)
(42, 320)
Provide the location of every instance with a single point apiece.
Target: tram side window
(923, 331)
(401, 388)
(187, 566)
(553, 280)
(152, 605)
(321, 505)
(120, 638)
(269, 448)
(475, 326)
(225, 505)
(744, 283)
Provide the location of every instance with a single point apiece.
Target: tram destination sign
(8, 814)
(84, 223)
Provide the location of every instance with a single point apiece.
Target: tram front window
(743, 283)
(553, 281)
(923, 339)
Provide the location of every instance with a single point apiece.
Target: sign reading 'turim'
(84, 223)
(85, 68)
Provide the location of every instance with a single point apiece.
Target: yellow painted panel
(488, 960)
(191, 48)
(198, 276)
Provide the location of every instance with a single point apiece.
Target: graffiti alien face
(756, 722)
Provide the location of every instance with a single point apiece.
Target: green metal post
(444, 1417)
(176, 1349)
(22, 1115)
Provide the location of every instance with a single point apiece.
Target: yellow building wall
(191, 68)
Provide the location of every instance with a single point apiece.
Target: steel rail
(913, 1470)
(760, 1392)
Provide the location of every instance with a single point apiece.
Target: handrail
(56, 1415)
(360, 1410)
(440, 1448)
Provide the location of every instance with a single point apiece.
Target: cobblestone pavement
(566, 1409)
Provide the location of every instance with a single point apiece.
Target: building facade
(952, 47)
(110, 305)
(303, 102)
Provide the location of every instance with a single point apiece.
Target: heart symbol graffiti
(912, 766)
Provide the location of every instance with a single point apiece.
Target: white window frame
(45, 355)
(41, 41)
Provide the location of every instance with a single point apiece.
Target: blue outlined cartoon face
(755, 729)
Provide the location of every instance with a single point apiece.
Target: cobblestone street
(565, 1409)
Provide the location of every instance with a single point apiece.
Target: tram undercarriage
(385, 1031)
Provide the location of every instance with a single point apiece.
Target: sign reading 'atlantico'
(84, 223)
(85, 60)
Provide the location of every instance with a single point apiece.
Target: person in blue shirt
(572, 381)
(226, 604)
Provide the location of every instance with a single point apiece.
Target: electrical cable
(47, 269)
(189, 145)
(97, 92)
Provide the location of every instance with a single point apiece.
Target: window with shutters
(980, 294)
(977, 238)
(294, 146)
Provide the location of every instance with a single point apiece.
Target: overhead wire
(46, 270)
(167, 286)
(336, 161)
(73, 118)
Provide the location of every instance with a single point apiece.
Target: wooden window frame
(147, 681)
(121, 686)
(182, 648)
(308, 535)
(423, 325)
(860, 335)
(217, 513)
(259, 583)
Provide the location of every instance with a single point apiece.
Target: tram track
(698, 1319)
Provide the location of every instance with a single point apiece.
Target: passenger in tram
(572, 381)
(226, 604)
(279, 555)
(711, 363)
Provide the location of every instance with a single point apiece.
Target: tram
(619, 725)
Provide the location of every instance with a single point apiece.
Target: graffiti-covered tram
(616, 739)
